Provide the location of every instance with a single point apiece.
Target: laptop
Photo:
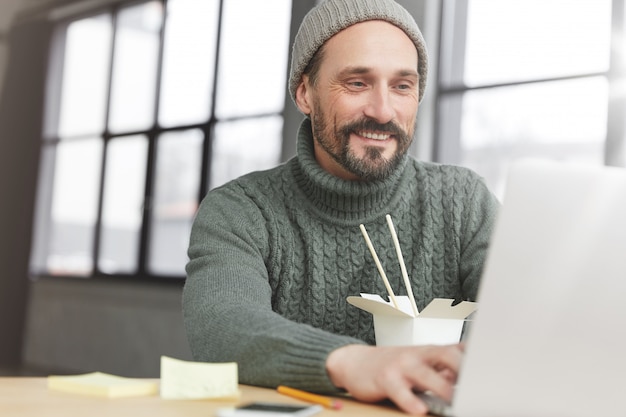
(549, 337)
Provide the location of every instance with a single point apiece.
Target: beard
(372, 166)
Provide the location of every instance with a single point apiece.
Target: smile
(375, 136)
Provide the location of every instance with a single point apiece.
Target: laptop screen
(549, 338)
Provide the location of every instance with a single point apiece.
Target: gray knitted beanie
(332, 16)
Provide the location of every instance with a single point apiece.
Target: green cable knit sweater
(274, 254)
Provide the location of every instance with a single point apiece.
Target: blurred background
(117, 116)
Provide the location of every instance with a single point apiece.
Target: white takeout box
(439, 323)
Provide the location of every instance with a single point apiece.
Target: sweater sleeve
(479, 219)
(227, 301)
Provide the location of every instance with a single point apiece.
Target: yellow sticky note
(103, 385)
(198, 380)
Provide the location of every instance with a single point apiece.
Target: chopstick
(392, 296)
(405, 276)
(381, 271)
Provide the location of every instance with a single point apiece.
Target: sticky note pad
(198, 380)
(103, 385)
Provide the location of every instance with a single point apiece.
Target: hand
(374, 373)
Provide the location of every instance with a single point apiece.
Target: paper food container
(439, 323)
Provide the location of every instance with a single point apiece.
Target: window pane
(135, 67)
(253, 62)
(189, 61)
(122, 210)
(512, 40)
(74, 207)
(177, 185)
(564, 120)
(243, 146)
(85, 76)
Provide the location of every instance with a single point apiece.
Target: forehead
(371, 43)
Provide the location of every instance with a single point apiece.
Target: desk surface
(26, 397)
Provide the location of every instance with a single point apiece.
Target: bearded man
(274, 254)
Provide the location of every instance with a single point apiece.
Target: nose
(379, 106)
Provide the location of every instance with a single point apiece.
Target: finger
(448, 375)
(425, 378)
(444, 357)
(438, 369)
(406, 400)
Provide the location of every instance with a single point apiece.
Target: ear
(303, 96)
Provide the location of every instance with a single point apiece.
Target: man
(274, 254)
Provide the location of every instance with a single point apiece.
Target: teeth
(376, 136)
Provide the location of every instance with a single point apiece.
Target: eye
(355, 85)
(406, 87)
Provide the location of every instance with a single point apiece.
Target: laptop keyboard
(436, 405)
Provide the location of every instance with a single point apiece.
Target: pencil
(312, 398)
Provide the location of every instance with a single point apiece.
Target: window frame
(50, 139)
(451, 88)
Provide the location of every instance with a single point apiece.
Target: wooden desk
(30, 397)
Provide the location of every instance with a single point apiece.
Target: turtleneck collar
(339, 198)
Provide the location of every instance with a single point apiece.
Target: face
(363, 104)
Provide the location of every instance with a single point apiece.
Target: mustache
(369, 124)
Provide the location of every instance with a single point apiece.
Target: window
(525, 79)
(149, 105)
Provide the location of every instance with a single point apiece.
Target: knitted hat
(332, 16)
